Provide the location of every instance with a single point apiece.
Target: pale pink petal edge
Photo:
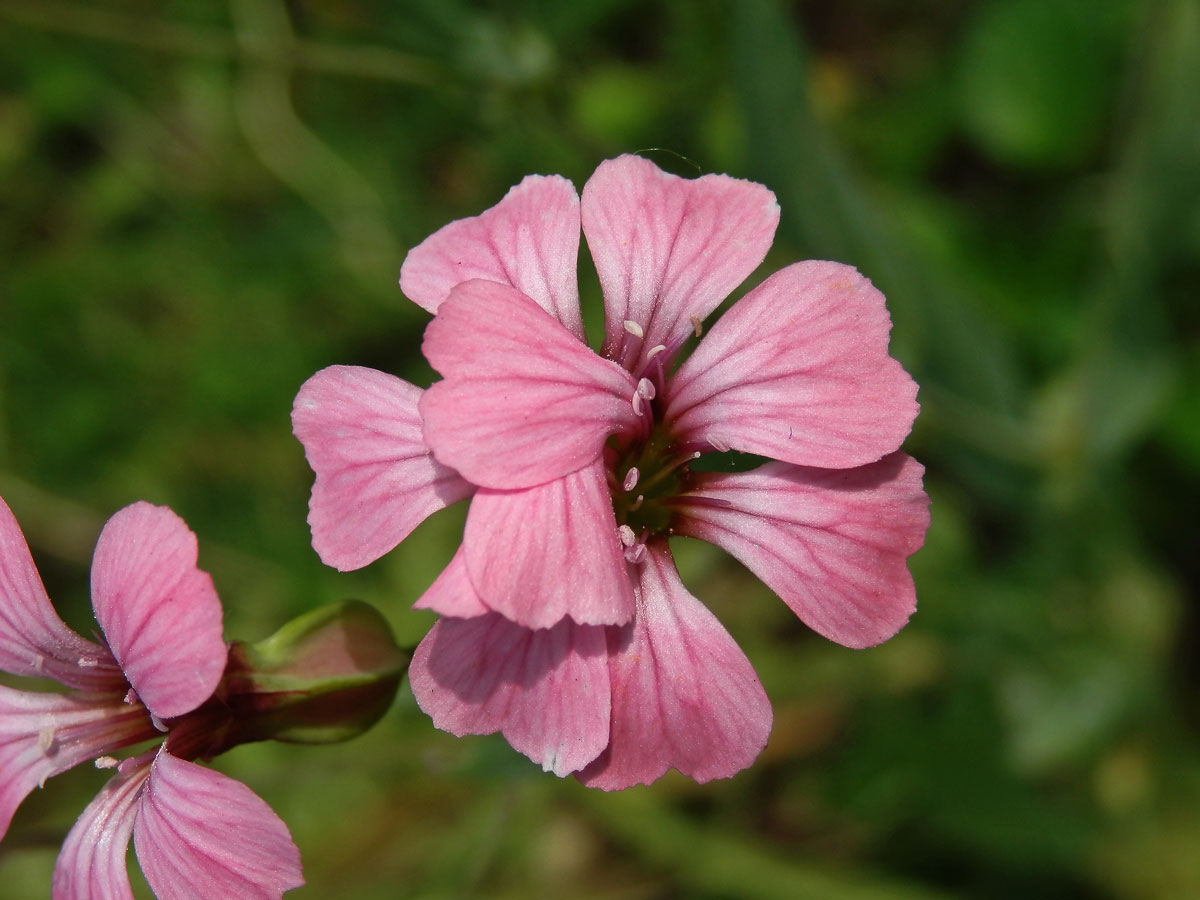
(160, 613)
(375, 479)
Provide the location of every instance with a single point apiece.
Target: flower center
(646, 474)
(648, 468)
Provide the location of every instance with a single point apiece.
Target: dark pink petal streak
(669, 248)
(376, 479)
(798, 370)
(529, 240)
(160, 614)
(44, 734)
(684, 694)
(201, 835)
(523, 401)
(549, 551)
(832, 544)
(546, 691)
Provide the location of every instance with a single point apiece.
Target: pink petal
(529, 240)
(683, 693)
(33, 639)
(201, 835)
(91, 864)
(798, 370)
(160, 614)
(42, 735)
(832, 543)
(523, 402)
(452, 593)
(376, 479)
(550, 551)
(668, 248)
(546, 691)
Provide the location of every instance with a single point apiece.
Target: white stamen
(635, 554)
(654, 351)
(628, 538)
(106, 762)
(645, 391)
(634, 328)
(87, 662)
(46, 739)
(131, 697)
(718, 443)
(631, 479)
(696, 327)
(637, 504)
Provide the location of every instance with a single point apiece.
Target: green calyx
(662, 476)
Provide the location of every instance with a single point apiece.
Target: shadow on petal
(546, 690)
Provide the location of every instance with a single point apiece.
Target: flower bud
(326, 676)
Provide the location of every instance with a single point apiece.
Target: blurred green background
(204, 202)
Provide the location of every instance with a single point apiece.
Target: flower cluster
(564, 624)
(198, 834)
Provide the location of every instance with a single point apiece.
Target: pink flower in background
(199, 835)
(565, 624)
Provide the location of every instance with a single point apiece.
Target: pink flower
(565, 625)
(199, 835)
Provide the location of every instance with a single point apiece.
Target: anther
(634, 328)
(131, 697)
(635, 554)
(697, 329)
(106, 762)
(637, 504)
(129, 763)
(645, 391)
(631, 479)
(87, 662)
(46, 739)
(628, 538)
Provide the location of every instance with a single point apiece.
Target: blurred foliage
(204, 202)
